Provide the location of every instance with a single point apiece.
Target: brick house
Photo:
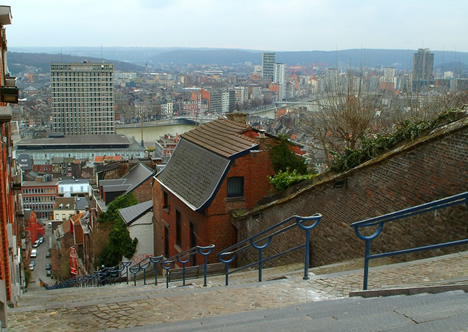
(216, 169)
(34, 230)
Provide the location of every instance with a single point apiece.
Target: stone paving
(125, 307)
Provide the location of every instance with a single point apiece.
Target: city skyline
(270, 25)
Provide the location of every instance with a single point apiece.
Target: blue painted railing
(185, 257)
(263, 239)
(394, 216)
(127, 271)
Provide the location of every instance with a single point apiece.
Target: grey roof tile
(131, 213)
(222, 136)
(193, 173)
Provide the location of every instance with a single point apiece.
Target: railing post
(223, 257)
(134, 270)
(299, 220)
(144, 268)
(155, 261)
(205, 251)
(307, 255)
(366, 264)
(226, 267)
(126, 265)
(260, 255)
(167, 265)
(260, 261)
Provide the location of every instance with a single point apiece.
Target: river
(151, 134)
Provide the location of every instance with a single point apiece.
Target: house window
(165, 200)
(178, 229)
(235, 186)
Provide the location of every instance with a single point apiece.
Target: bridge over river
(270, 112)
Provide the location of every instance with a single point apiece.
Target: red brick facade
(10, 274)
(212, 225)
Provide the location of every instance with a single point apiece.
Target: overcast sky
(276, 25)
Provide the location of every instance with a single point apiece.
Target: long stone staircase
(149, 307)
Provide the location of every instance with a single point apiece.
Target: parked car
(47, 254)
(36, 243)
(32, 264)
(33, 253)
(49, 273)
(41, 240)
(48, 267)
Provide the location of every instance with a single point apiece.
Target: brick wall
(143, 192)
(213, 225)
(432, 168)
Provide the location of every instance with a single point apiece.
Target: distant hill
(18, 61)
(400, 59)
(140, 56)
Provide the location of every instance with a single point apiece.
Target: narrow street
(41, 260)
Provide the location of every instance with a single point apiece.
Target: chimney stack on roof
(237, 117)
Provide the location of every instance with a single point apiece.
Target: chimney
(237, 117)
(262, 140)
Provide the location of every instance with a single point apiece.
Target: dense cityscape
(111, 165)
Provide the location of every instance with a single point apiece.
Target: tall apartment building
(389, 74)
(279, 75)
(268, 66)
(241, 95)
(82, 98)
(280, 78)
(222, 101)
(423, 63)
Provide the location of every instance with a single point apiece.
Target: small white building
(139, 221)
(167, 109)
(74, 187)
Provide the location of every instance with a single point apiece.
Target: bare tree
(348, 112)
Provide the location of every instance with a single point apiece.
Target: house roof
(132, 213)
(137, 175)
(64, 201)
(202, 159)
(221, 136)
(127, 183)
(81, 203)
(74, 181)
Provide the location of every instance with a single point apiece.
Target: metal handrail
(107, 275)
(184, 257)
(263, 239)
(380, 221)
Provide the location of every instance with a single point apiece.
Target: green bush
(288, 178)
(283, 158)
(120, 243)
